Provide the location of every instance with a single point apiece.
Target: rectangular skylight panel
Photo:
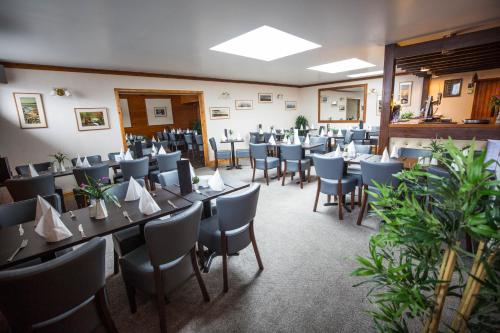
(265, 43)
(372, 73)
(342, 66)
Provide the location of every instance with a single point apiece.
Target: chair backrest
(54, 289)
(171, 137)
(253, 138)
(138, 168)
(319, 139)
(328, 167)
(363, 149)
(159, 135)
(14, 213)
(173, 238)
(24, 170)
(291, 152)
(414, 152)
(382, 173)
(93, 159)
(343, 131)
(169, 161)
(237, 210)
(358, 134)
(199, 139)
(267, 136)
(169, 178)
(213, 144)
(258, 150)
(188, 138)
(348, 137)
(112, 156)
(120, 190)
(27, 188)
(94, 172)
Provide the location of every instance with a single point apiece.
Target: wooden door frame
(201, 107)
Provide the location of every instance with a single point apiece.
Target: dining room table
(232, 163)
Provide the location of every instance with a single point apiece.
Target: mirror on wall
(345, 104)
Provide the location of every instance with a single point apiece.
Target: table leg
(347, 208)
(231, 158)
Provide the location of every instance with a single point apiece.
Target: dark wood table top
(38, 246)
(304, 146)
(231, 140)
(207, 194)
(408, 162)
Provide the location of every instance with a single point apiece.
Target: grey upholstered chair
(163, 262)
(219, 154)
(261, 161)
(93, 159)
(94, 172)
(27, 188)
(321, 149)
(166, 162)
(199, 143)
(355, 170)
(138, 168)
(112, 156)
(175, 141)
(66, 294)
(18, 212)
(168, 178)
(332, 181)
(376, 172)
(24, 170)
(358, 136)
(241, 153)
(414, 152)
(189, 143)
(292, 156)
(128, 239)
(231, 230)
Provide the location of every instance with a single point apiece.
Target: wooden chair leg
(255, 249)
(360, 190)
(103, 311)
(352, 200)
(317, 195)
(309, 175)
(198, 275)
(152, 185)
(253, 174)
(223, 241)
(131, 298)
(160, 299)
(341, 199)
(237, 161)
(116, 265)
(300, 175)
(363, 208)
(328, 198)
(284, 176)
(279, 171)
(146, 182)
(267, 176)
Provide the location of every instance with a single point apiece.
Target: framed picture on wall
(379, 106)
(160, 111)
(290, 105)
(91, 119)
(217, 113)
(265, 97)
(30, 110)
(405, 93)
(452, 88)
(324, 99)
(243, 105)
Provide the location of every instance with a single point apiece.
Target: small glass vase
(92, 208)
(101, 210)
(196, 187)
(62, 168)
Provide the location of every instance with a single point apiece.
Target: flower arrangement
(98, 189)
(495, 105)
(59, 157)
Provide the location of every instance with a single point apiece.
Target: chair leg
(317, 196)
(360, 190)
(253, 175)
(160, 299)
(198, 276)
(131, 298)
(341, 201)
(255, 249)
(146, 182)
(352, 200)
(300, 175)
(309, 175)
(284, 176)
(116, 265)
(103, 311)
(152, 185)
(363, 207)
(328, 198)
(278, 171)
(223, 241)
(267, 176)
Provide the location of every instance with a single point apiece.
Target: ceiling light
(424, 69)
(342, 66)
(366, 74)
(265, 43)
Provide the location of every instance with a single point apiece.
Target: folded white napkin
(307, 140)
(312, 126)
(153, 150)
(385, 156)
(238, 136)
(42, 206)
(215, 182)
(153, 139)
(122, 154)
(261, 131)
(78, 161)
(337, 153)
(223, 137)
(50, 226)
(273, 131)
(86, 163)
(351, 149)
(269, 130)
(32, 170)
(272, 141)
(128, 156)
(162, 151)
(394, 152)
(133, 191)
(296, 139)
(191, 170)
(165, 130)
(147, 205)
(302, 127)
(288, 141)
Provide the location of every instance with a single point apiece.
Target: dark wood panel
(485, 89)
(458, 131)
(387, 95)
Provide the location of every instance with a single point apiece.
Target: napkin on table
(147, 205)
(191, 170)
(288, 141)
(42, 206)
(153, 150)
(351, 149)
(78, 161)
(153, 139)
(162, 151)
(337, 153)
(223, 138)
(296, 138)
(86, 163)
(128, 156)
(49, 224)
(385, 156)
(32, 170)
(134, 190)
(272, 141)
(215, 182)
(394, 152)
(261, 131)
(307, 141)
(238, 136)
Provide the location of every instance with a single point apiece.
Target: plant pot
(92, 208)
(54, 167)
(196, 186)
(101, 210)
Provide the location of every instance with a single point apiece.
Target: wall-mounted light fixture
(279, 96)
(60, 92)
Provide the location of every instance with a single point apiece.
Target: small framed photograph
(90, 119)
(160, 111)
(219, 113)
(30, 110)
(290, 105)
(324, 99)
(405, 93)
(452, 88)
(243, 105)
(379, 105)
(265, 97)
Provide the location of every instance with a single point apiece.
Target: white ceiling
(174, 37)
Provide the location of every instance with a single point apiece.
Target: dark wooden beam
(387, 93)
(446, 62)
(458, 53)
(426, 83)
(450, 43)
(465, 69)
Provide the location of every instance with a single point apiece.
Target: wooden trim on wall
(365, 89)
(387, 94)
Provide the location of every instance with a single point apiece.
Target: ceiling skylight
(342, 66)
(265, 43)
(366, 74)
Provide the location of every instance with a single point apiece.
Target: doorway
(145, 112)
(353, 108)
